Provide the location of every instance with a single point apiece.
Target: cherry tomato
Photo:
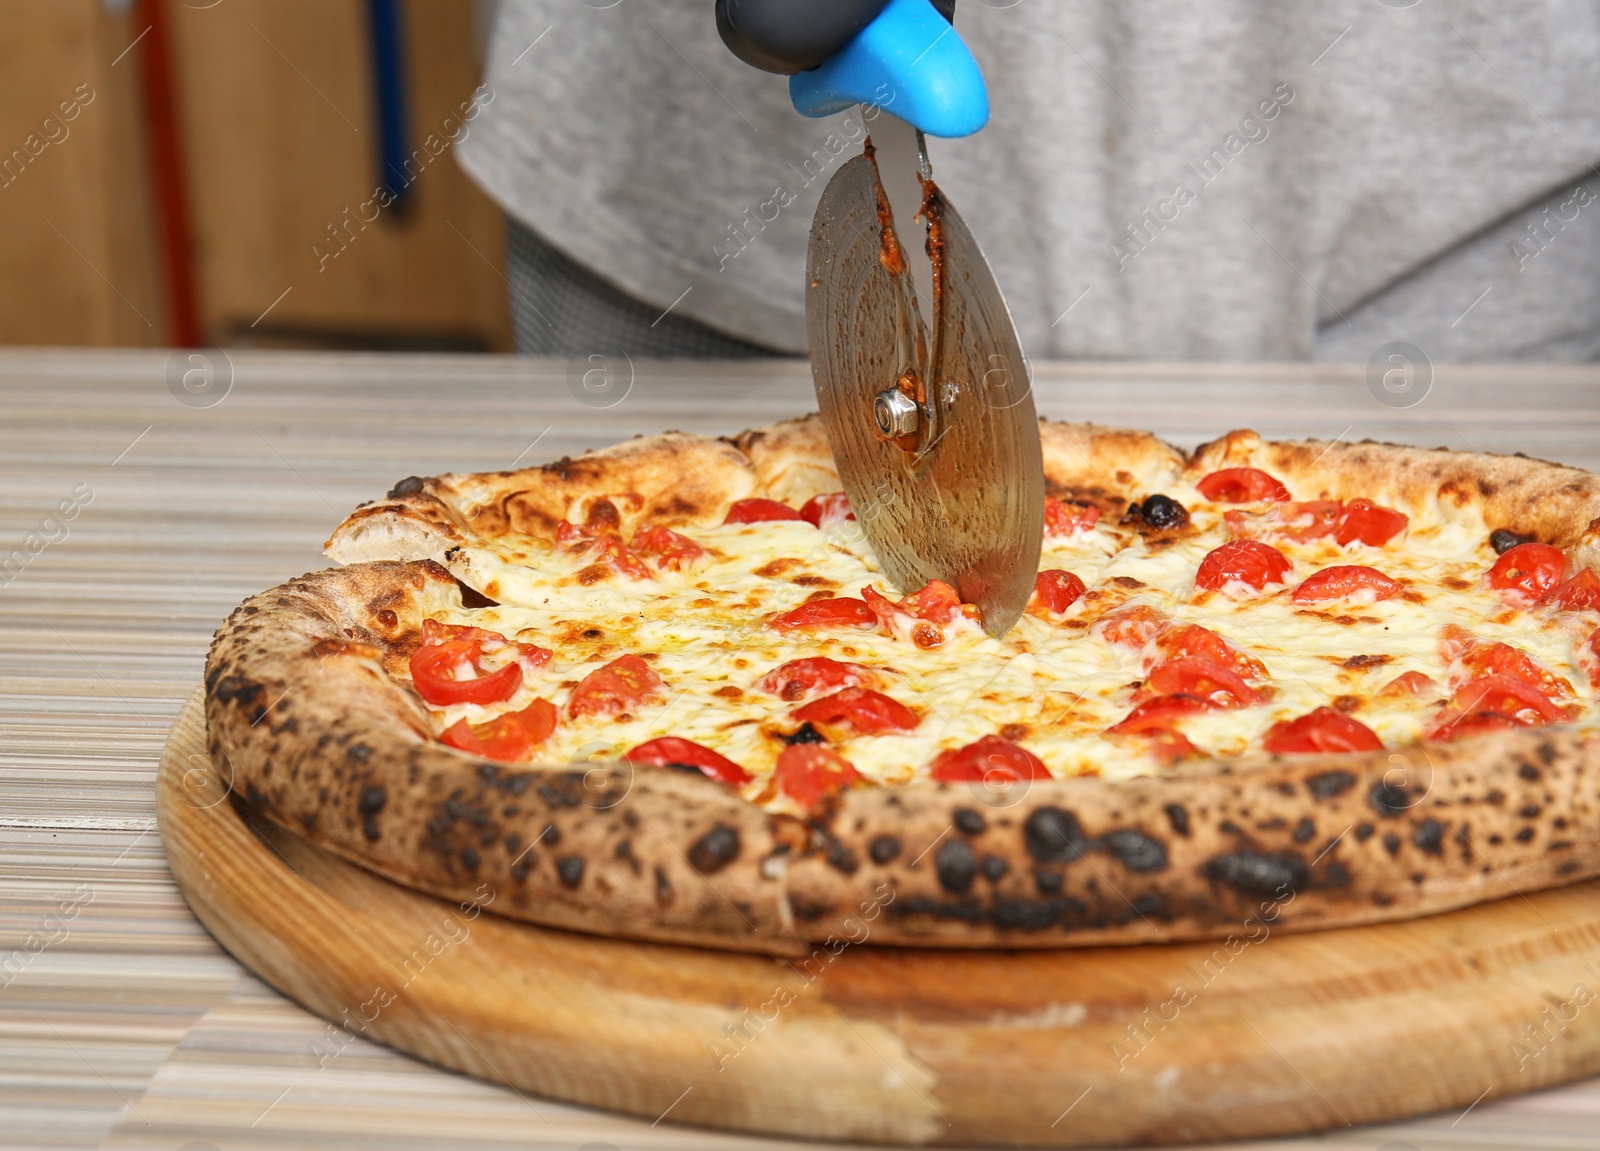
(826, 510)
(568, 532)
(508, 738)
(1192, 639)
(603, 547)
(1246, 561)
(843, 611)
(990, 760)
(1363, 521)
(436, 673)
(1323, 730)
(671, 751)
(1300, 521)
(1580, 593)
(869, 712)
(754, 511)
(1508, 695)
(1242, 486)
(809, 772)
(1061, 519)
(1480, 658)
(1206, 678)
(799, 677)
(1528, 571)
(1159, 714)
(1347, 582)
(669, 550)
(937, 602)
(1472, 723)
(1057, 590)
(1131, 626)
(625, 682)
(1408, 683)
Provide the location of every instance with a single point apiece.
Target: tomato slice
(508, 738)
(869, 712)
(1471, 723)
(1062, 519)
(1408, 683)
(809, 772)
(1245, 561)
(1351, 582)
(843, 611)
(1580, 593)
(1508, 695)
(669, 550)
(603, 547)
(436, 672)
(1363, 521)
(625, 682)
(826, 510)
(800, 677)
(1324, 730)
(671, 751)
(1206, 678)
(1155, 715)
(990, 760)
(755, 511)
(1528, 571)
(1242, 486)
(1057, 590)
(937, 602)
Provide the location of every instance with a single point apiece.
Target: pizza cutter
(920, 376)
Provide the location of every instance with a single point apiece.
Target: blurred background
(194, 172)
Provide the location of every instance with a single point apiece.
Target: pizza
(664, 691)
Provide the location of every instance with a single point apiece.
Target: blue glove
(901, 55)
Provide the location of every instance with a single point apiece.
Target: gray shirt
(1223, 179)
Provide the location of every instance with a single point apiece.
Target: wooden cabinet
(277, 127)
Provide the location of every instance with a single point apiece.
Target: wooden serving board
(1272, 1034)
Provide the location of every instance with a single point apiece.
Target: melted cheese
(1053, 685)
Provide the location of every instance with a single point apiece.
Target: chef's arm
(901, 55)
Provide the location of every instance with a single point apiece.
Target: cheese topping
(1053, 684)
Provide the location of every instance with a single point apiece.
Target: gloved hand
(897, 54)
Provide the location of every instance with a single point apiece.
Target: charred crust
(956, 865)
(883, 849)
(1330, 784)
(993, 868)
(1304, 830)
(569, 869)
(1255, 874)
(409, 486)
(1052, 835)
(1429, 837)
(663, 888)
(1387, 800)
(1178, 817)
(1047, 881)
(715, 849)
(369, 805)
(1135, 850)
(968, 821)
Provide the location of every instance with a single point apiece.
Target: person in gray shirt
(1223, 179)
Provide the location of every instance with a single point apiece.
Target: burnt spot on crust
(409, 486)
(369, 805)
(1178, 817)
(1528, 772)
(967, 821)
(1256, 874)
(1047, 880)
(1158, 511)
(1136, 851)
(663, 888)
(1524, 836)
(569, 869)
(715, 849)
(956, 865)
(1330, 784)
(993, 868)
(1387, 800)
(884, 849)
(1429, 837)
(237, 689)
(1391, 843)
(1054, 836)
(805, 733)
(1303, 830)
(470, 858)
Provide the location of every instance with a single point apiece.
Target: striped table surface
(142, 495)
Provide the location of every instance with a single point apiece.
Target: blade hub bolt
(895, 413)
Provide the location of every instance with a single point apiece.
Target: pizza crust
(305, 711)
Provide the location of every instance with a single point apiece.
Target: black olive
(1160, 512)
(805, 733)
(1503, 540)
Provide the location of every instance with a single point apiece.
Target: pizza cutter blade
(932, 425)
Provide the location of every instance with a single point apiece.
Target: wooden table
(122, 1024)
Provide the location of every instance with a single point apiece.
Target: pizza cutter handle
(909, 61)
